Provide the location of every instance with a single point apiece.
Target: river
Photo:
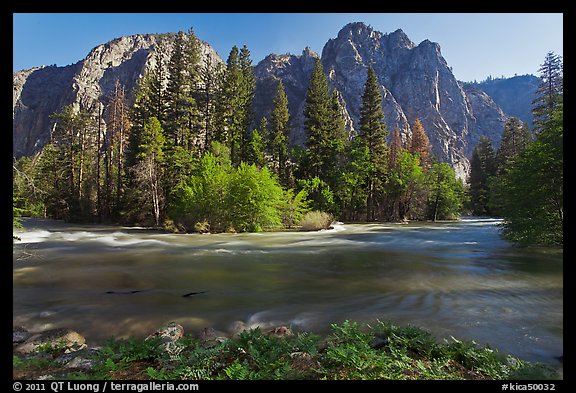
(455, 279)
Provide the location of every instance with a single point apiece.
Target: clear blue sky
(475, 45)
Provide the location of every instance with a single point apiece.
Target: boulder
(20, 334)
(171, 332)
(61, 339)
(280, 331)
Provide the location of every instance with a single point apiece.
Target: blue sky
(475, 45)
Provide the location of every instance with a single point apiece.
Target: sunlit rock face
(88, 84)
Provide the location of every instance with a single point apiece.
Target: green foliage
(404, 183)
(220, 197)
(317, 113)
(550, 92)
(351, 351)
(446, 193)
(320, 194)
(482, 169)
(531, 190)
(293, 207)
(253, 199)
(373, 135)
(316, 220)
(234, 104)
(279, 134)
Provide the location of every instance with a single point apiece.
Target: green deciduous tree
(446, 192)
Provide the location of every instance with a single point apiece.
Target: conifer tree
(317, 114)
(248, 86)
(395, 148)
(420, 144)
(515, 139)
(550, 91)
(148, 171)
(279, 133)
(210, 80)
(338, 140)
(182, 115)
(373, 134)
(234, 106)
(482, 169)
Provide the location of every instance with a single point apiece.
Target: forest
(188, 155)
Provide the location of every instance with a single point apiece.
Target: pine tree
(73, 139)
(515, 139)
(482, 169)
(234, 105)
(338, 140)
(395, 148)
(373, 135)
(148, 170)
(152, 91)
(550, 91)
(279, 133)
(182, 114)
(420, 144)
(317, 114)
(210, 80)
(248, 86)
(532, 188)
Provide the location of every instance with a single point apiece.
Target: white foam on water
(37, 236)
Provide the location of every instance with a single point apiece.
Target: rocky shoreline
(69, 350)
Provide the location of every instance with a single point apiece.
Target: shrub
(202, 226)
(316, 220)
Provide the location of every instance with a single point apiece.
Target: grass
(351, 352)
(315, 221)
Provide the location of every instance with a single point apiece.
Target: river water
(455, 279)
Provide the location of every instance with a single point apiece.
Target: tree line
(188, 154)
(522, 180)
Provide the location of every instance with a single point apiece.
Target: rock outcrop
(41, 91)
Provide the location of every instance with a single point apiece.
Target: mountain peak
(354, 29)
(308, 52)
(399, 39)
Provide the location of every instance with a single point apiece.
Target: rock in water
(280, 331)
(63, 339)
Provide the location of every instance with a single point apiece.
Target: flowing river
(455, 279)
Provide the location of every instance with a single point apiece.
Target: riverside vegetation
(352, 351)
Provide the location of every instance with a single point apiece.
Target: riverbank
(351, 351)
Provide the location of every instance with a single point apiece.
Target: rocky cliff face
(415, 81)
(39, 92)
